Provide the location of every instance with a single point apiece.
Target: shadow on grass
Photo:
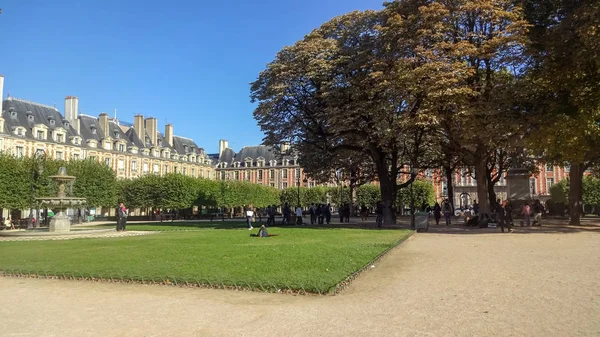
(549, 226)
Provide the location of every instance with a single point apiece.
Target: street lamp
(298, 184)
(338, 174)
(224, 176)
(413, 174)
(37, 168)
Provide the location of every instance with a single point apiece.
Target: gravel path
(533, 283)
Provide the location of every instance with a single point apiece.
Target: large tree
(482, 40)
(94, 181)
(565, 82)
(346, 86)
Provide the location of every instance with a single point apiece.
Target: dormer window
(13, 114)
(116, 134)
(160, 142)
(185, 148)
(93, 128)
(66, 124)
(30, 117)
(52, 122)
(92, 143)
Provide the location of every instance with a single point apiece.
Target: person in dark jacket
(121, 217)
(505, 216)
(437, 213)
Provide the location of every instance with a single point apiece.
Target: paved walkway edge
(345, 283)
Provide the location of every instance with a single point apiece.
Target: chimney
(152, 128)
(223, 144)
(138, 127)
(169, 134)
(77, 126)
(1, 90)
(71, 108)
(103, 121)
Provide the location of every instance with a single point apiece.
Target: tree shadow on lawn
(549, 226)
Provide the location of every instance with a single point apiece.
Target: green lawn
(299, 258)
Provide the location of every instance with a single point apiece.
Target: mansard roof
(135, 139)
(42, 114)
(114, 131)
(180, 144)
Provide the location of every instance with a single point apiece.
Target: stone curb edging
(346, 282)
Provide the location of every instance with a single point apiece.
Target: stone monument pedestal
(60, 223)
(517, 181)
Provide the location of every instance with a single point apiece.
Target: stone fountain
(60, 222)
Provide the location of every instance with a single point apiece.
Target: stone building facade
(465, 186)
(261, 165)
(131, 150)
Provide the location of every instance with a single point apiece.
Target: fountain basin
(60, 222)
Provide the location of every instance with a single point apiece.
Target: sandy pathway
(538, 284)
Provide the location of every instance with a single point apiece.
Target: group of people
(270, 211)
(122, 214)
(8, 223)
(445, 209)
(320, 214)
(501, 212)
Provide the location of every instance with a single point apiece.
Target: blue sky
(188, 63)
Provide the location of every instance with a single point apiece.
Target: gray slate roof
(41, 114)
(253, 152)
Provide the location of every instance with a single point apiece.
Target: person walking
(286, 214)
(249, 216)
(505, 216)
(271, 215)
(364, 212)
(526, 211)
(298, 215)
(538, 209)
(319, 213)
(447, 209)
(121, 217)
(437, 213)
(313, 214)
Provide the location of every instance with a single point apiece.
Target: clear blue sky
(188, 63)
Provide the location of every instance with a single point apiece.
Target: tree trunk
(450, 184)
(388, 196)
(576, 193)
(482, 186)
(353, 195)
(491, 192)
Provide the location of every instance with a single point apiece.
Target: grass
(315, 260)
